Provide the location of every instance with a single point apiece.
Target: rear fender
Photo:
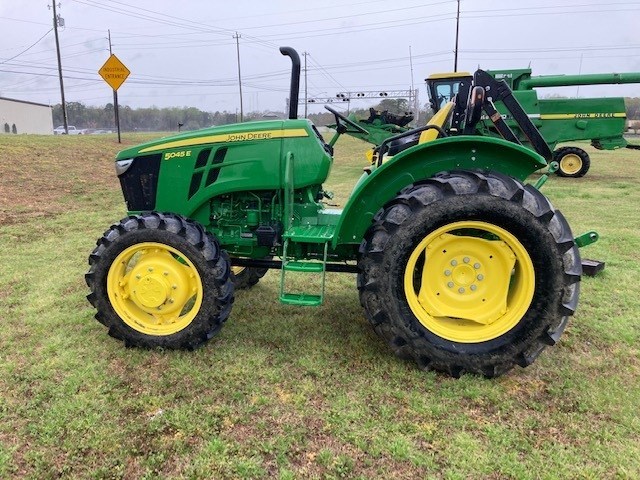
(424, 161)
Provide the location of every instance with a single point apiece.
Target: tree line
(192, 118)
(140, 119)
(189, 118)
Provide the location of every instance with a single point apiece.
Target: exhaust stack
(295, 80)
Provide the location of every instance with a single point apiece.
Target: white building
(19, 116)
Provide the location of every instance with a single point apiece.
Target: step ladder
(301, 269)
(301, 234)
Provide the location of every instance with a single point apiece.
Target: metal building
(19, 116)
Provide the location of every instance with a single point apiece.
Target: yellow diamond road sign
(114, 72)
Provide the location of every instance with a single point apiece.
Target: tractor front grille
(140, 182)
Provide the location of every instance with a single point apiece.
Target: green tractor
(460, 266)
(599, 120)
(602, 121)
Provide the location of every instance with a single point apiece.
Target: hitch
(586, 239)
(553, 167)
(589, 267)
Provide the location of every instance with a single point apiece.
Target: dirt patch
(41, 176)
(10, 218)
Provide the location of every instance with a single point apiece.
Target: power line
(28, 48)
(553, 7)
(358, 15)
(174, 21)
(324, 71)
(569, 12)
(370, 26)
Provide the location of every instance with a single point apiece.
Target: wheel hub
(473, 279)
(469, 281)
(463, 275)
(571, 164)
(151, 291)
(154, 289)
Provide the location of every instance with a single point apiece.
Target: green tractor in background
(460, 266)
(599, 120)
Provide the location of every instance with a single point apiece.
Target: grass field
(287, 392)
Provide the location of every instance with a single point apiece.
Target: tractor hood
(182, 173)
(222, 134)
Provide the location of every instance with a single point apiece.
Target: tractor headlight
(123, 165)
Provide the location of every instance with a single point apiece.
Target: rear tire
(498, 282)
(573, 162)
(160, 280)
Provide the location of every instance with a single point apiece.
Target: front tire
(573, 162)
(247, 277)
(160, 280)
(469, 272)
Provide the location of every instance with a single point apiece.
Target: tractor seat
(440, 119)
(403, 143)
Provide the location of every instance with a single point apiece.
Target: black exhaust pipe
(295, 80)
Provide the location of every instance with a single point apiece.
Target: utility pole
(237, 37)
(413, 91)
(455, 57)
(116, 111)
(305, 85)
(56, 20)
(579, 72)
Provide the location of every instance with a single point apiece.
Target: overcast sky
(182, 52)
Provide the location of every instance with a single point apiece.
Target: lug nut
(450, 284)
(473, 288)
(465, 259)
(454, 263)
(447, 272)
(480, 277)
(476, 266)
(461, 290)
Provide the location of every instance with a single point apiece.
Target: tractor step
(301, 299)
(310, 267)
(310, 233)
(302, 267)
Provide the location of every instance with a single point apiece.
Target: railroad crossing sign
(114, 72)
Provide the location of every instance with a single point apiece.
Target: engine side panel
(198, 166)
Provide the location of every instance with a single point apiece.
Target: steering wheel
(341, 118)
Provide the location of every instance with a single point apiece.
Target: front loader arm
(499, 90)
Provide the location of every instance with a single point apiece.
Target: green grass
(289, 392)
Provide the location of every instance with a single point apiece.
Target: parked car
(99, 131)
(72, 130)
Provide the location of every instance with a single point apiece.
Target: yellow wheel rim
(238, 270)
(571, 164)
(154, 288)
(469, 281)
